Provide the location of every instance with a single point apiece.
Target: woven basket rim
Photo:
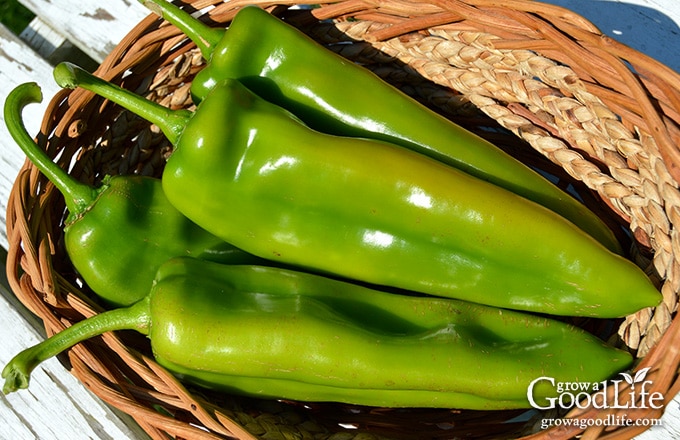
(603, 113)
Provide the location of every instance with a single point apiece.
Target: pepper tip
(66, 75)
(153, 7)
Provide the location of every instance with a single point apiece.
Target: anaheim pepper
(251, 173)
(275, 333)
(333, 95)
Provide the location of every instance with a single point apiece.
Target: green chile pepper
(251, 173)
(333, 95)
(117, 235)
(277, 333)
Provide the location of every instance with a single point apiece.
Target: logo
(546, 393)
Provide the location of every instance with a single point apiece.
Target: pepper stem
(205, 37)
(78, 196)
(171, 122)
(17, 372)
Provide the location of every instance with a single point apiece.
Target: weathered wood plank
(53, 46)
(92, 25)
(57, 406)
(42, 37)
(18, 64)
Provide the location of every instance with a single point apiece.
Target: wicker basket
(535, 79)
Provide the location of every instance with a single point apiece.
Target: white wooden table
(57, 407)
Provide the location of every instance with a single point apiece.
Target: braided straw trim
(544, 74)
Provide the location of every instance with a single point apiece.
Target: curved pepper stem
(18, 371)
(205, 37)
(171, 122)
(78, 196)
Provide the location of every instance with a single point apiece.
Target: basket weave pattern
(538, 80)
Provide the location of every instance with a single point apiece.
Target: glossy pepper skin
(117, 235)
(251, 173)
(276, 333)
(333, 95)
